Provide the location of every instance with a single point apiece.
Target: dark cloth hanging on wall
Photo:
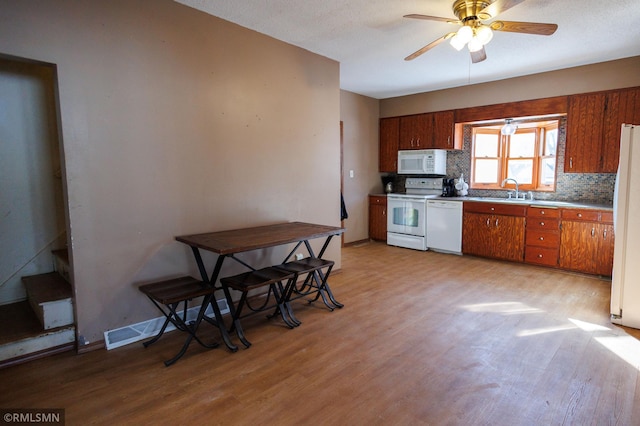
(343, 209)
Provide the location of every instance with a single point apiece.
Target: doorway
(32, 220)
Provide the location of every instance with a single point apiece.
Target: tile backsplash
(593, 188)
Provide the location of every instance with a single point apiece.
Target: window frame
(540, 129)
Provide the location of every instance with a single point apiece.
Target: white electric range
(407, 212)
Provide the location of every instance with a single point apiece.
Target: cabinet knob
(540, 256)
(541, 223)
(579, 214)
(541, 211)
(493, 208)
(541, 238)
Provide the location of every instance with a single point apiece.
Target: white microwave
(422, 162)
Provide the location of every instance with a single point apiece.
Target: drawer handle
(493, 208)
(542, 212)
(541, 223)
(579, 214)
(541, 238)
(540, 256)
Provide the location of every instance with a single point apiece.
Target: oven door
(406, 215)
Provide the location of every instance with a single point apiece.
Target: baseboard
(355, 243)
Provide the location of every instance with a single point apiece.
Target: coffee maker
(448, 187)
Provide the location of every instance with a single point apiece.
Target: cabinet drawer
(543, 224)
(378, 199)
(542, 212)
(581, 214)
(542, 239)
(541, 256)
(505, 209)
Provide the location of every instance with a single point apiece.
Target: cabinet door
(389, 138)
(579, 246)
(604, 255)
(378, 218)
(584, 133)
(622, 107)
(508, 240)
(443, 130)
(477, 232)
(416, 131)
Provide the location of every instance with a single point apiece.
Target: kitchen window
(528, 156)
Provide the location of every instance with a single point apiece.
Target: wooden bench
(170, 293)
(317, 272)
(247, 281)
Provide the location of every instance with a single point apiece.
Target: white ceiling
(370, 38)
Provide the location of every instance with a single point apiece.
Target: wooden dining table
(226, 244)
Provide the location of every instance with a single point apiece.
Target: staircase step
(50, 297)
(22, 337)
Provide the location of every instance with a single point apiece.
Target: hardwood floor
(424, 338)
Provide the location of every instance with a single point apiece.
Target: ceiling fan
(474, 33)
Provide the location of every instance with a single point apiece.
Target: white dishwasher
(444, 226)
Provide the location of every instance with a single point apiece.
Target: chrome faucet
(514, 181)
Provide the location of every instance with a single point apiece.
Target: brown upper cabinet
(389, 137)
(443, 130)
(427, 131)
(593, 129)
(416, 131)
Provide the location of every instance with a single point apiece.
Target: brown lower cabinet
(587, 241)
(578, 240)
(543, 236)
(494, 230)
(378, 217)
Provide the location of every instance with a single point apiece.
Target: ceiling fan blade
(429, 46)
(524, 27)
(499, 6)
(478, 56)
(432, 18)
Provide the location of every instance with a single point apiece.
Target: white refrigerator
(625, 285)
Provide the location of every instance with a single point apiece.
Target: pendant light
(509, 127)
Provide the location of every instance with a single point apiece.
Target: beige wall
(359, 115)
(175, 122)
(588, 78)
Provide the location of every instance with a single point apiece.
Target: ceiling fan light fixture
(456, 42)
(509, 127)
(474, 44)
(484, 34)
(465, 34)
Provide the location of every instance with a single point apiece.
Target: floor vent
(136, 332)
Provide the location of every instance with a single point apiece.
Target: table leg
(214, 304)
